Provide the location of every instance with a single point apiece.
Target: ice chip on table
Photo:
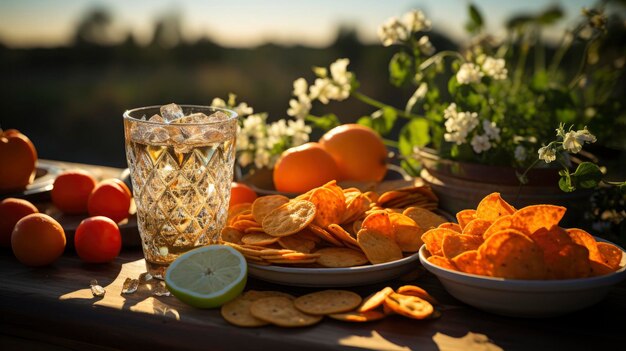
(171, 112)
(160, 290)
(130, 286)
(156, 118)
(96, 290)
(145, 277)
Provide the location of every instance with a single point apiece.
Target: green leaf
(411, 166)
(453, 85)
(566, 116)
(324, 122)
(587, 176)
(382, 121)
(540, 81)
(565, 183)
(400, 69)
(414, 133)
(476, 22)
(518, 22)
(550, 16)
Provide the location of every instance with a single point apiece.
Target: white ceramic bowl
(525, 298)
(334, 277)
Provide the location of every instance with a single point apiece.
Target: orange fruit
(358, 151)
(241, 193)
(111, 198)
(18, 159)
(97, 240)
(71, 191)
(302, 168)
(11, 211)
(37, 240)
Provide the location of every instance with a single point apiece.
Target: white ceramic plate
(334, 277)
(525, 298)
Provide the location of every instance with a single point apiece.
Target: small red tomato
(110, 198)
(97, 240)
(240, 193)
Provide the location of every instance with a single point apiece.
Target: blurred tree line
(70, 100)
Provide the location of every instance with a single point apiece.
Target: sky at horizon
(243, 23)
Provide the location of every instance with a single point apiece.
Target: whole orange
(18, 159)
(111, 198)
(38, 240)
(302, 168)
(358, 151)
(241, 193)
(71, 191)
(11, 211)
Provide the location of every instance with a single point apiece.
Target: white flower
(300, 87)
(339, 71)
(520, 153)
(547, 154)
(217, 102)
(458, 124)
(299, 132)
(392, 32)
(571, 143)
(262, 158)
(245, 158)
(425, 46)
(254, 126)
(243, 109)
(480, 143)
(299, 108)
(495, 68)
(415, 21)
(491, 130)
(469, 73)
(583, 135)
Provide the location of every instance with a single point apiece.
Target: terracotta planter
(461, 185)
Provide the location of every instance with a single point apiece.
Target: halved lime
(208, 276)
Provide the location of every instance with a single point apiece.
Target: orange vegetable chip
(454, 245)
(563, 257)
(492, 207)
(266, 204)
(342, 234)
(465, 216)
(585, 239)
(611, 254)
(378, 247)
(477, 227)
(329, 207)
(378, 220)
(471, 262)
(408, 234)
(434, 239)
(332, 185)
(231, 235)
(452, 226)
(426, 219)
(258, 239)
(356, 205)
(599, 268)
(324, 235)
(538, 216)
(504, 222)
(442, 262)
(513, 255)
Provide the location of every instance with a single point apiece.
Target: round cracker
(281, 311)
(327, 302)
(266, 204)
(424, 218)
(237, 312)
(378, 247)
(297, 243)
(339, 257)
(374, 300)
(289, 218)
(257, 238)
(231, 235)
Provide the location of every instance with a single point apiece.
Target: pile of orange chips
(331, 227)
(497, 240)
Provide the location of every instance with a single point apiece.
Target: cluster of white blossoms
(470, 73)
(573, 142)
(260, 143)
(395, 31)
(459, 124)
(336, 86)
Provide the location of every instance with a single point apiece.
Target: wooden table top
(53, 308)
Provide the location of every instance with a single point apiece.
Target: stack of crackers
(259, 308)
(332, 227)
